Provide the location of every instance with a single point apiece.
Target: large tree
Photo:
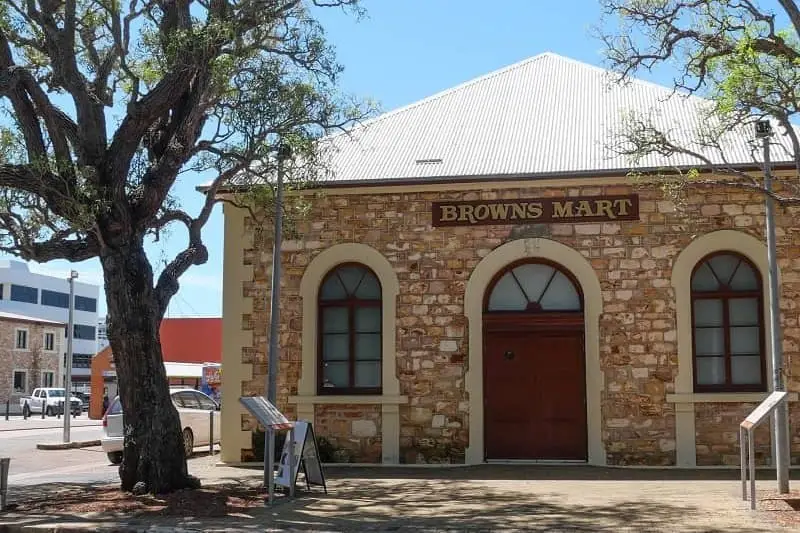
(106, 103)
(742, 56)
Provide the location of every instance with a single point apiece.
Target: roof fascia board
(502, 181)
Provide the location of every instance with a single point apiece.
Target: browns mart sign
(537, 210)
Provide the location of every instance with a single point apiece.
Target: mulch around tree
(109, 501)
(783, 508)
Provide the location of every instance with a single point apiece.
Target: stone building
(30, 356)
(482, 280)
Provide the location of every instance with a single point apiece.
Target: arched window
(532, 288)
(728, 325)
(350, 333)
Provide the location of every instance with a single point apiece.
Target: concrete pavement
(486, 498)
(17, 423)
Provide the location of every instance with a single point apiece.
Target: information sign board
(267, 414)
(305, 456)
(766, 407)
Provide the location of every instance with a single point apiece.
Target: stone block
(587, 229)
(448, 346)
(364, 428)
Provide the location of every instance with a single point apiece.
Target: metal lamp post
(284, 153)
(781, 420)
(73, 275)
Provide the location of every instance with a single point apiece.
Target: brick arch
(480, 280)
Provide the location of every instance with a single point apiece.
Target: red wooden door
(534, 396)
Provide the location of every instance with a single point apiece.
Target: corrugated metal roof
(544, 116)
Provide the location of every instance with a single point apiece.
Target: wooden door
(534, 395)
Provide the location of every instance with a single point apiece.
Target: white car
(195, 409)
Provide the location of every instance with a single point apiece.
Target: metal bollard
(211, 432)
(60, 408)
(44, 408)
(8, 408)
(5, 464)
(25, 412)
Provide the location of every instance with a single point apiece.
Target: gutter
(432, 180)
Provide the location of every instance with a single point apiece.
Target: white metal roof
(547, 115)
(25, 318)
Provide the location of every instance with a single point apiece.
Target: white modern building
(47, 297)
(102, 335)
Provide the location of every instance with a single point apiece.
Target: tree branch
(196, 252)
(793, 12)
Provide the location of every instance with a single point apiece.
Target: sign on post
(305, 455)
(267, 414)
(747, 442)
(270, 417)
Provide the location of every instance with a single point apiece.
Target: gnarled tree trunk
(153, 451)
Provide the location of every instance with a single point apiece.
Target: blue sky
(404, 50)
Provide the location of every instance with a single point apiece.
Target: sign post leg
(743, 460)
(270, 445)
(752, 450)
(292, 471)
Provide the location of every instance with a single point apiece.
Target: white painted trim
(716, 241)
(27, 347)
(235, 338)
(307, 396)
(27, 381)
(41, 378)
(724, 397)
(349, 400)
(477, 285)
(45, 333)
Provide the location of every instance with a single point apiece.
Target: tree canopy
(105, 104)
(740, 55)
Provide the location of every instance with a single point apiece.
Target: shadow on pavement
(404, 504)
(500, 472)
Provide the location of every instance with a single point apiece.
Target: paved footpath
(484, 498)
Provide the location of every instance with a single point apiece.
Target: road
(30, 466)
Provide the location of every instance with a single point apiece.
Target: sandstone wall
(633, 262)
(34, 360)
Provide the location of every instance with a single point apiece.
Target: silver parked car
(195, 410)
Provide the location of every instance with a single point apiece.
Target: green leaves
(731, 52)
(125, 96)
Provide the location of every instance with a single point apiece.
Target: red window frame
(726, 294)
(352, 304)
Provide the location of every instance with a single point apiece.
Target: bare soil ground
(108, 500)
(783, 508)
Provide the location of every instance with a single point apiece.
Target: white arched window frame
(685, 396)
(389, 398)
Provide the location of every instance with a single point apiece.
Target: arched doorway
(534, 365)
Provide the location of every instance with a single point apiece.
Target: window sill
(723, 397)
(354, 399)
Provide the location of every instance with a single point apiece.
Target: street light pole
(781, 417)
(284, 153)
(68, 363)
